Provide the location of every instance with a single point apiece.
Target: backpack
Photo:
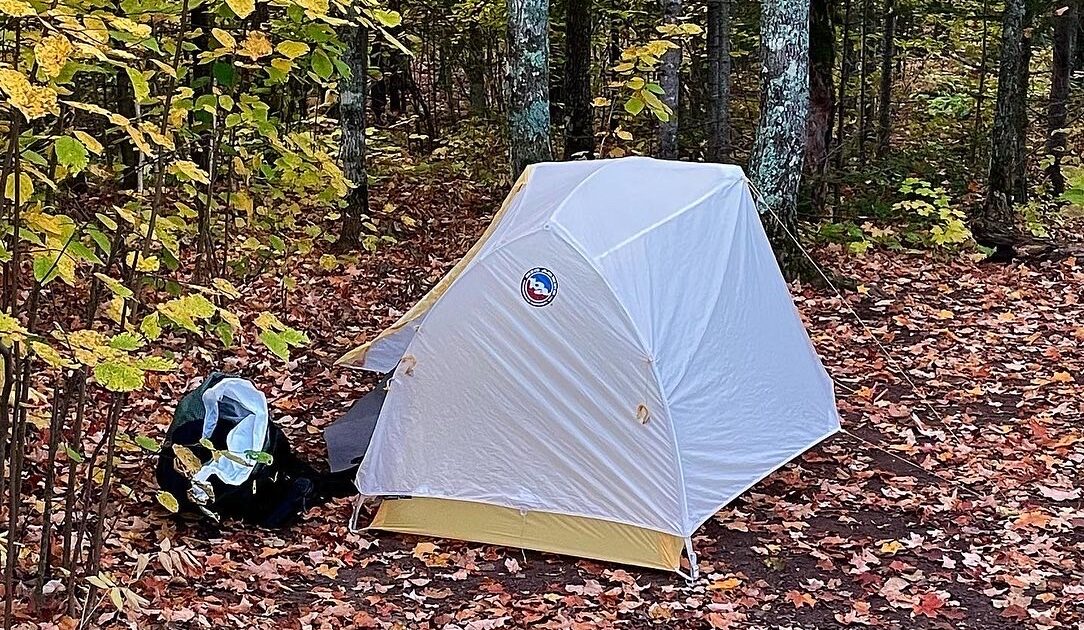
(223, 457)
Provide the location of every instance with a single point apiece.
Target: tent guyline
(760, 201)
(616, 359)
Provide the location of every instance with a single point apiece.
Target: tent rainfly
(616, 359)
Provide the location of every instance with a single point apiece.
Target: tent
(616, 359)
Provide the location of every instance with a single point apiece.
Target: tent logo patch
(539, 286)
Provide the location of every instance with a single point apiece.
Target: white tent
(616, 359)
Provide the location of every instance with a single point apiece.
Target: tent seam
(575, 189)
(571, 241)
(696, 203)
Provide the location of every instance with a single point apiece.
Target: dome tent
(614, 360)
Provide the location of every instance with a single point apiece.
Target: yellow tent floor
(541, 531)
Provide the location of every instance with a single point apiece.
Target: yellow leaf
(89, 142)
(319, 7)
(189, 170)
(423, 549)
(724, 585)
(32, 101)
(26, 187)
(282, 65)
(95, 30)
(187, 459)
(1063, 377)
(256, 45)
(16, 8)
(891, 547)
(224, 38)
(142, 31)
(242, 8)
(139, 139)
(52, 53)
(168, 501)
(292, 49)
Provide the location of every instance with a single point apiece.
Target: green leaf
(118, 376)
(634, 106)
(82, 252)
(147, 443)
(71, 153)
(125, 341)
(321, 64)
(224, 73)
(45, 269)
(115, 286)
(225, 333)
(140, 85)
(151, 327)
(73, 454)
(260, 457)
(155, 364)
(276, 343)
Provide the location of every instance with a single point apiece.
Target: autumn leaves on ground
(967, 513)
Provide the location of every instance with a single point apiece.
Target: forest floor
(968, 513)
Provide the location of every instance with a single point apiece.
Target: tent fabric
(620, 346)
(348, 437)
(542, 531)
(383, 353)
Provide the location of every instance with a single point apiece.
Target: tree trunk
(718, 34)
(580, 131)
(994, 223)
(1065, 33)
(822, 61)
(528, 83)
(670, 82)
(863, 87)
(844, 80)
(352, 146)
(779, 148)
(884, 131)
(475, 70)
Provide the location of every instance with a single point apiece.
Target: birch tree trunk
(822, 99)
(994, 223)
(779, 149)
(528, 83)
(352, 147)
(718, 35)
(1066, 25)
(670, 82)
(579, 132)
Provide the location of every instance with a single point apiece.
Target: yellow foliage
(242, 8)
(52, 53)
(142, 31)
(256, 45)
(319, 7)
(16, 8)
(33, 101)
